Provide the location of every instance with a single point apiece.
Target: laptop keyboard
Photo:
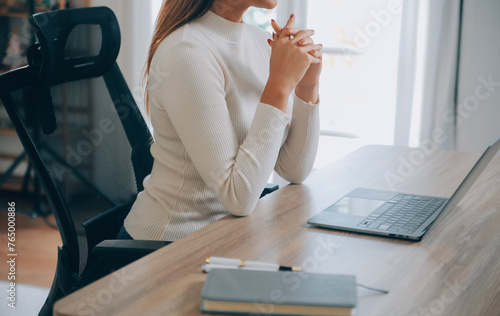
(403, 214)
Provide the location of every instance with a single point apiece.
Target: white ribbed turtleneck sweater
(215, 143)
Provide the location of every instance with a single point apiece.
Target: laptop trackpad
(355, 206)
(347, 211)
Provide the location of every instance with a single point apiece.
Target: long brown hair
(173, 14)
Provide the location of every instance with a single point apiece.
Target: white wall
(479, 103)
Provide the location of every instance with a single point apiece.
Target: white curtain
(427, 75)
(411, 23)
(135, 18)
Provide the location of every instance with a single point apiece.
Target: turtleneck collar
(225, 29)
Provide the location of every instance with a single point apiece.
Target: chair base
(63, 284)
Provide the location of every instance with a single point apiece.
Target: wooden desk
(454, 270)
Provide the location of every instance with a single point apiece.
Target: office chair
(83, 133)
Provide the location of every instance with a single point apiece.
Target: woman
(219, 94)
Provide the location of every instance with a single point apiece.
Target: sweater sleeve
(296, 158)
(191, 91)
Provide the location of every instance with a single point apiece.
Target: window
(361, 43)
(358, 82)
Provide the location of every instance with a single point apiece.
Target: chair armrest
(118, 253)
(112, 254)
(106, 225)
(112, 247)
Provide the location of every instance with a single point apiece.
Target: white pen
(242, 264)
(209, 267)
(225, 261)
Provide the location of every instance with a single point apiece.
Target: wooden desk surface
(454, 270)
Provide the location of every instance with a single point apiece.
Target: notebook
(396, 214)
(278, 293)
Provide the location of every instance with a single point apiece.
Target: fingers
(305, 41)
(317, 53)
(316, 47)
(316, 60)
(291, 22)
(276, 27)
(302, 34)
(300, 37)
(288, 33)
(314, 50)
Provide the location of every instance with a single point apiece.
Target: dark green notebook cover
(265, 291)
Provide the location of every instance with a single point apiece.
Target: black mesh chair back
(80, 127)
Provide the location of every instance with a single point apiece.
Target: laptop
(395, 214)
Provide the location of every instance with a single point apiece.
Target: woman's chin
(266, 4)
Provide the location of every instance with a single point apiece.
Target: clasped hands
(296, 57)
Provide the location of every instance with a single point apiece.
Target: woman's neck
(228, 10)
